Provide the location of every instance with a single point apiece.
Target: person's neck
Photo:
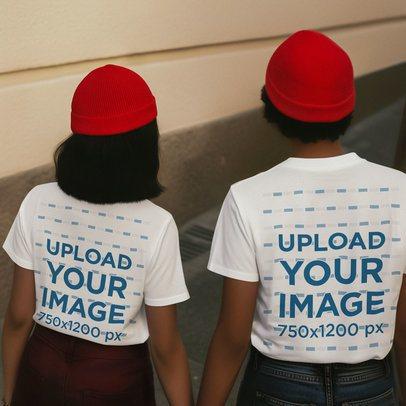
(318, 149)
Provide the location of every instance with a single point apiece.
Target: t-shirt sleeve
(165, 282)
(232, 252)
(18, 243)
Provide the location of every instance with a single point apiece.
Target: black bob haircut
(304, 131)
(110, 169)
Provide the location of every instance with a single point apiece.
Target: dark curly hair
(110, 169)
(304, 131)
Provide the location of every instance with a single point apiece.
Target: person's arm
(400, 339)
(169, 355)
(17, 326)
(230, 341)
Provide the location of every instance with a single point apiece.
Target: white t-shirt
(96, 265)
(326, 239)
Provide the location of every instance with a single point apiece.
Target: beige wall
(203, 59)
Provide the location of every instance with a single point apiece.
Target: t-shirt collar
(330, 163)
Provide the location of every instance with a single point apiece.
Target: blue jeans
(283, 383)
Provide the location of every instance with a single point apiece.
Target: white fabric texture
(96, 266)
(326, 240)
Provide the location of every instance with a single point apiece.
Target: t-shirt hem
(167, 300)
(16, 259)
(322, 357)
(231, 273)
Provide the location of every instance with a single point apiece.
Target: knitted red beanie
(111, 100)
(310, 78)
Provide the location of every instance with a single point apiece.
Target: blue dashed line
(101, 214)
(268, 244)
(384, 189)
(85, 211)
(341, 190)
(116, 246)
(267, 211)
(364, 223)
(268, 311)
(353, 347)
(51, 205)
(342, 224)
(68, 207)
(41, 217)
(47, 232)
(363, 189)
(331, 207)
(309, 209)
(278, 226)
(126, 233)
(396, 239)
(298, 192)
(140, 266)
(310, 348)
(268, 278)
(108, 230)
(288, 210)
(320, 225)
(133, 249)
(372, 345)
(352, 207)
(319, 191)
(385, 222)
(75, 223)
(395, 205)
(119, 217)
(144, 237)
(396, 273)
(289, 347)
(91, 227)
(98, 243)
(374, 206)
(299, 225)
(64, 235)
(137, 221)
(58, 220)
(331, 348)
(277, 193)
(81, 238)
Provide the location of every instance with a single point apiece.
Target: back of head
(112, 155)
(310, 81)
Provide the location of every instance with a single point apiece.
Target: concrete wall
(204, 60)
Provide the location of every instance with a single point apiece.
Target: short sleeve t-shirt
(97, 265)
(326, 240)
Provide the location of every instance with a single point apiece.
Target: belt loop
(255, 353)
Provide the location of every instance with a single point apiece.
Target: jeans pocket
(263, 399)
(288, 374)
(29, 388)
(386, 398)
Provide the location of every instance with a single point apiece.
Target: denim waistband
(314, 372)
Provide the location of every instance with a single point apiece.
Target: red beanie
(310, 78)
(111, 100)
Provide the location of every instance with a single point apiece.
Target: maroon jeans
(61, 370)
